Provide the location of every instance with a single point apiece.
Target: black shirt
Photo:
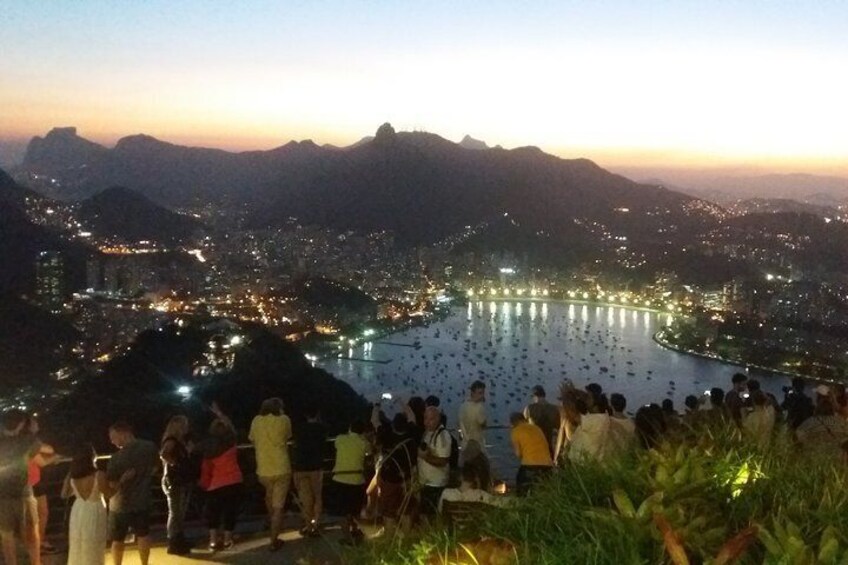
(15, 453)
(400, 452)
(310, 439)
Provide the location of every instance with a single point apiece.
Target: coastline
(442, 313)
(658, 338)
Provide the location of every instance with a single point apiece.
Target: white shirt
(439, 443)
(759, 424)
(471, 495)
(472, 416)
(590, 439)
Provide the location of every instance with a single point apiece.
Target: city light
(507, 271)
(184, 390)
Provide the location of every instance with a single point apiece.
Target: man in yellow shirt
(270, 432)
(531, 448)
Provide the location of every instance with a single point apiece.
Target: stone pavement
(250, 549)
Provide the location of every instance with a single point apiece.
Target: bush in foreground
(713, 499)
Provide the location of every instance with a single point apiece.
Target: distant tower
(49, 280)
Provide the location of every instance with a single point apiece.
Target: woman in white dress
(88, 525)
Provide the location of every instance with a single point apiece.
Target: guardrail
(53, 477)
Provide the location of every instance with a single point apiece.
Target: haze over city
(757, 86)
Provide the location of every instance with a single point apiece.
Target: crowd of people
(403, 464)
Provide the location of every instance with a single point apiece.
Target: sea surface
(514, 345)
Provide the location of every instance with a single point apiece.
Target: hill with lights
(183, 368)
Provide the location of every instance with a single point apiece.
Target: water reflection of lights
(533, 310)
(544, 311)
(518, 308)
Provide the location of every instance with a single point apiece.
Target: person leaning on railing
(397, 441)
(221, 478)
(270, 432)
(349, 478)
(532, 450)
(88, 529)
(178, 478)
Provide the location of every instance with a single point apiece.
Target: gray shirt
(134, 495)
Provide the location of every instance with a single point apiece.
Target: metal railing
(53, 477)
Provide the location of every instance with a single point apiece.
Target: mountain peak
(61, 149)
(70, 131)
(469, 142)
(138, 140)
(385, 134)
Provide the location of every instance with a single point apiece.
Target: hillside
(21, 241)
(33, 343)
(129, 216)
(141, 385)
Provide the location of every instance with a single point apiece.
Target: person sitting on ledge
(469, 491)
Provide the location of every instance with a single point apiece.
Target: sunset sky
(624, 82)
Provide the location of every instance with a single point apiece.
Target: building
(50, 280)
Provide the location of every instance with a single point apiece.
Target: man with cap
(472, 415)
(543, 414)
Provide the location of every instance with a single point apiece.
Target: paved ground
(251, 549)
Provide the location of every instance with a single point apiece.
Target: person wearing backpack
(433, 461)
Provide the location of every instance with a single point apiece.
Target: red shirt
(220, 471)
(33, 473)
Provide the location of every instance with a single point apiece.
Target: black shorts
(39, 489)
(430, 499)
(120, 524)
(350, 498)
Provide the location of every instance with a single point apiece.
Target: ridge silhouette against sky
(625, 83)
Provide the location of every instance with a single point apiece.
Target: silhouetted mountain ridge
(418, 185)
